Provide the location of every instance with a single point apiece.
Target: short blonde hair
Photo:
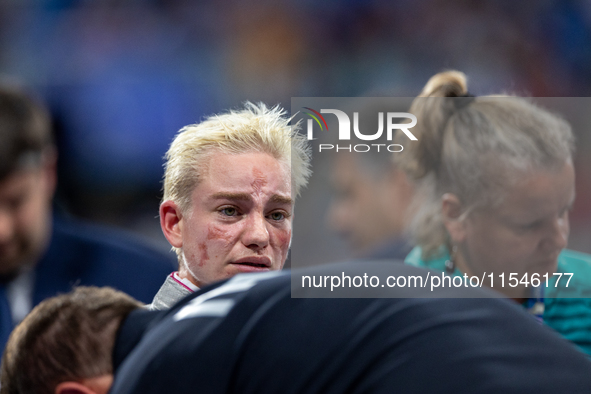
(256, 128)
(474, 147)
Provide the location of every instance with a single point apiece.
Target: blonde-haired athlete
(229, 191)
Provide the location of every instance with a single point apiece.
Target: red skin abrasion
(283, 237)
(214, 232)
(204, 256)
(259, 181)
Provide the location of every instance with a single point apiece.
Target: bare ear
(451, 210)
(73, 388)
(171, 223)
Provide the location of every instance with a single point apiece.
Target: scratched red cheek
(214, 232)
(283, 238)
(204, 256)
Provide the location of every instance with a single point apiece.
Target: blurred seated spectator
(371, 206)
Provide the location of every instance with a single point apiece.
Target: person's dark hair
(65, 338)
(25, 130)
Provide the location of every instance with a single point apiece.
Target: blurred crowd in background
(122, 77)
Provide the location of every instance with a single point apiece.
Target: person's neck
(517, 294)
(185, 274)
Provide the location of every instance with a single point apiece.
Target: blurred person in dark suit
(42, 254)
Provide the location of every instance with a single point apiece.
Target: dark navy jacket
(248, 335)
(83, 254)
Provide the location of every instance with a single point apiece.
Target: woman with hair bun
(497, 179)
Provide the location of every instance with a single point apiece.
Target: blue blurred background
(121, 77)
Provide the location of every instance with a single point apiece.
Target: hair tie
(463, 101)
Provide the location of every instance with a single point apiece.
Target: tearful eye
(229, 211)
(277, 216)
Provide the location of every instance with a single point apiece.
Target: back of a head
(474, 147)
(25, 130)
(65, 338)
